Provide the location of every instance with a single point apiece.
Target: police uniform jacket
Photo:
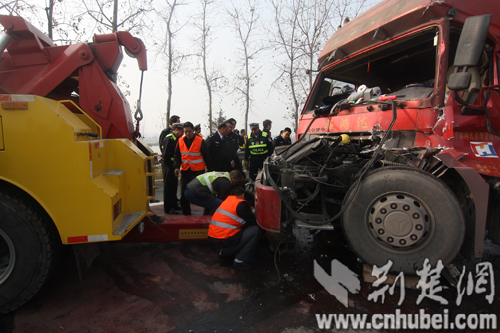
(219, 152)
(259, 146)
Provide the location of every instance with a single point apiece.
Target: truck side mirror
(472, 40)
(459, 81)
(469, 50)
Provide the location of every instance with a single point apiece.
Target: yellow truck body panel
(92, 189)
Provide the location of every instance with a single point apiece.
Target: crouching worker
(234, 230)
(211, 188)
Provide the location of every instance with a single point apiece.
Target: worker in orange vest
(234, 230)
(191, 156)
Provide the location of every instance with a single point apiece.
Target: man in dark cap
(167, 166)
(258, 147)
(284, 138)
(197, 130)
(173, 120)
(267, 124)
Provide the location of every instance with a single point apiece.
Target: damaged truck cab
(398, 141)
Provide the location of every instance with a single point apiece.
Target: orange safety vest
(225, 222)
(191, 158)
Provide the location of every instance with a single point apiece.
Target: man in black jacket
(284, 138)
(218, 147)
(167, 166)
(173, 120)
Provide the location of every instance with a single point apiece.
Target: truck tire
(494, 223)
(404, 215)
(26, 251)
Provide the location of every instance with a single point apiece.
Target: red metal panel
(357, 119)
(267, 206)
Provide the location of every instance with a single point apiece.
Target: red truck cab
(414, 89)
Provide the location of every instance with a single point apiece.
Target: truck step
(326, 226)
(127, 221)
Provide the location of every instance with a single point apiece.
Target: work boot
(244, 265)
(177, 207)
(172, 211)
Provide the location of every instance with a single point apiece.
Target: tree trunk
(50, 12)
(114, 25)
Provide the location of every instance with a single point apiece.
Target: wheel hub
(7, 256)
(399, 220)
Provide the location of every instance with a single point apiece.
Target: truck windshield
(405, 67)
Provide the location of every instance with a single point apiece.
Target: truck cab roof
(391, 18)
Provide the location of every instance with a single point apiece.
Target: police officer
(234, 230)
(191, 155)
(284, 138)
(173, 120)
(211, 188)
(167, 166)
(218, 146)
(258, 147)
(267, 124)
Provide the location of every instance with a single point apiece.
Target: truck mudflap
(473, 245)
(267, 206)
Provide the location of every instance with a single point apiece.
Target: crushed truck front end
(381, 130)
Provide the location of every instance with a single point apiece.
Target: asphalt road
(185, 287)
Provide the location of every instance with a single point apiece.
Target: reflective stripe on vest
(208, 178)
(171, 135)
(257, 146)
(189, 156)
(225, 222)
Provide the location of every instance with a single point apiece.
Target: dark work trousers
(209, 206)
(244, 247)
(237, 164)
(255, 163)
(169, 188)
(187, 176)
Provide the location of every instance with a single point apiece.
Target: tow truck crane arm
(83, 72)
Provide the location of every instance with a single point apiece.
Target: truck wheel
(26, 252)
(404, 215)
(494, 223)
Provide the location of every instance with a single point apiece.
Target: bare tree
(220, 118)
(301, 29)
(17, 7)
(346, 9)
(284, 37)
(166, 49)
(245, 21)
(59, 25)
(105, 14)
(210, 74)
